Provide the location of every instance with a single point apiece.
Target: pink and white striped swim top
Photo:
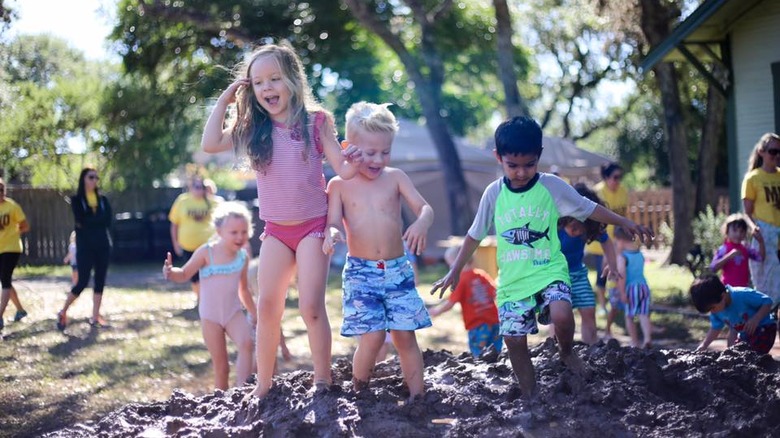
(291, 188)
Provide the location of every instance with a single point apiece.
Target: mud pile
(629, 392)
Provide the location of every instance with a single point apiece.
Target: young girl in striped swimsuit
(285, 135)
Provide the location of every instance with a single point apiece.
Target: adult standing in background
(761, 200)
(92, 217)
(191, 226)
(615, 198)
(13, 223)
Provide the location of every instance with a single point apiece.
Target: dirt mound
(629, 392)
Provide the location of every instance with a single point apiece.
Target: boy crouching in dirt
(379, 287)
(745, 310)
(524, 207)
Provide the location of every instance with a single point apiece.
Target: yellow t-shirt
(763, 188)
(616, 201)
(11, 215)
(92, 201)
(193, 217)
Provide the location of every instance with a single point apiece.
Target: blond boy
(379, 289)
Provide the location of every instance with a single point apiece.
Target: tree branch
(202, 20)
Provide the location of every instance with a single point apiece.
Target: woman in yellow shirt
(615, 197)
(191, 226)
(13, 223)
(761, 200)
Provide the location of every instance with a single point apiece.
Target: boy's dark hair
(607, 169)
(706, 291)
(593, 229)
(519, 135)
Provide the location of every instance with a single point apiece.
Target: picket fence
(141, 228)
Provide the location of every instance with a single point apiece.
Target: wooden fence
(654, 207)
(142, 220)
(49, 214)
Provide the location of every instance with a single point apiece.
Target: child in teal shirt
(745, 310)
(524, 206)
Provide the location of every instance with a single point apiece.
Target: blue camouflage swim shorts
(518, 318)
(381, 295)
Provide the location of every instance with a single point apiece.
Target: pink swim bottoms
(291, 235)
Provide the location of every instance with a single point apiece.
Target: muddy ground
(629, 392)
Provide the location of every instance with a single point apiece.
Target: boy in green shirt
(524, 207)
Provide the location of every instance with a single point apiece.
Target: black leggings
(8, 261)
(86, 259)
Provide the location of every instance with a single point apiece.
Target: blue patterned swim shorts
(381, 295)
(483, 336)
(518, 318)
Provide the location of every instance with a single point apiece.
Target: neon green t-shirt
(526, 226)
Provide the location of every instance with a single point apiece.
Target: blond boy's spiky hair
(370, 117)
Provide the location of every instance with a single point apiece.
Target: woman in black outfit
(92, 215)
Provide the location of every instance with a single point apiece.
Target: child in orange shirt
(476, 293)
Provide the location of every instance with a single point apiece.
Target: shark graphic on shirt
(524, 235)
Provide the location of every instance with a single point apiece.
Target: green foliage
(49, 96)
(707, 236)
(185, 45)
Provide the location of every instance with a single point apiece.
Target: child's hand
(351, 153)
(332, 236)
(229, 95)
(611, 274)
(644, 233)
(751, 326)
(415, 237)
(167, 266)
(448, 281)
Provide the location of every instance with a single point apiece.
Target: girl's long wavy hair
(755, 161)
(253, 125)
(593, 229)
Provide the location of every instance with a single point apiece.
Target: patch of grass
(42, 271)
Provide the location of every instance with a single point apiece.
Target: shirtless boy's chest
(375, 197)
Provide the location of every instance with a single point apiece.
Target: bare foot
(575, 364)
(258, 392)
(359, 385)
(647, 345)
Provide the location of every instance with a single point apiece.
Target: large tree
(448, 77)
(49, 99)
(685, 109)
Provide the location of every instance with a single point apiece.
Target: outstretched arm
(180, 275)
(453, 276)
(712, 334)
(604, 215)
(441, 308)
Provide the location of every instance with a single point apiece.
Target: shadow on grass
(53, 380)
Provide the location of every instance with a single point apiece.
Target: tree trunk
(656, 22)
(708, 149)
(515, 106)
(678, 162)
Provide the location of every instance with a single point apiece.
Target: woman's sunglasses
(773, 152)
(95, 177)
